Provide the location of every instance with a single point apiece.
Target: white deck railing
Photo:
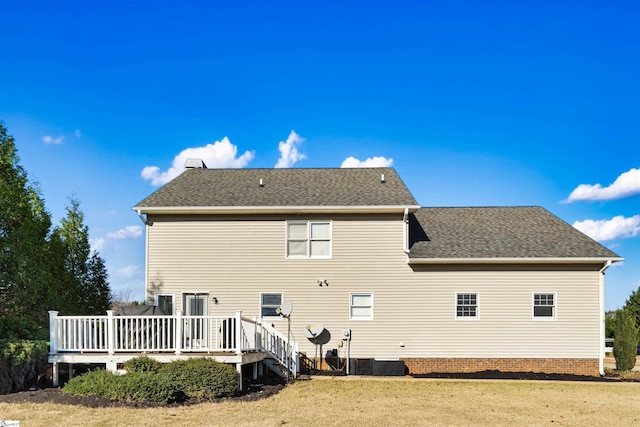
(177, 334)
(283, 350)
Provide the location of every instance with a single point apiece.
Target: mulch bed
(253, 390)
(493, 375)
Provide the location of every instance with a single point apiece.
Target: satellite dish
(314, 330)
(285, 308)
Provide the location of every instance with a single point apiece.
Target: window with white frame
(544, 306)
(309, 239)
(165, 302)
(361, 306)
(269, 303)
(466, 305)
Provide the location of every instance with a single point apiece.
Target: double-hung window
(466, 306)
(308, 239)
(361, 306)
(544, 306)
(165, 303)
(269, 303)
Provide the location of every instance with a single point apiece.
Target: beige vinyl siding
(237, 259)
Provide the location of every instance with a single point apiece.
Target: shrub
(20, 363)
(99, 382)
(146, 386)
(625, 341)
(201, 377)
(198, 378)
(134, 386)
(142, 364)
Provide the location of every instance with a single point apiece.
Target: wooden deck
(111, 340)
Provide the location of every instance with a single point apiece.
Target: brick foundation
(418, 366)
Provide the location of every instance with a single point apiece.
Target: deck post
(111, 333)
(54, 373)
(53, 332)
(239, 332)
(178, 330)
(53, 347)
(239, 369)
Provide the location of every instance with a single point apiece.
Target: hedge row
(149, 380)
(21, 361)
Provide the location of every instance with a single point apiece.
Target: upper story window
(309, 239)
(544, 306)
(466, 306)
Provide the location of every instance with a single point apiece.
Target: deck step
(276, 367)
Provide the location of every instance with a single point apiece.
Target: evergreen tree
(625, 341)
(97, 286)
(42, 270)
(632, 305)
(86, 288)
(24, 230)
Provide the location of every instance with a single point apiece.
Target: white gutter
(405, 236)
(512, 260)
(273, 209)
(607, 264)
(143, 219)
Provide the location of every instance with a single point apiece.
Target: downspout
(601, 308)
(146, 255)
(405, 236)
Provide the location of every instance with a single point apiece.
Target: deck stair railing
(284, 352)
(176, 334)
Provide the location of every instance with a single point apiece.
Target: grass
(372, 402)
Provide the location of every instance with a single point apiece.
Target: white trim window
(361, 306)
(269, 302)
(466, 306)
(166, 302)
(544, 306)
(309, 239)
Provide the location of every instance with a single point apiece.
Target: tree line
(42, 267)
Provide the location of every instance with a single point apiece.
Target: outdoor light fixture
(215, 300)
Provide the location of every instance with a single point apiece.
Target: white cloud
(610, 229)
(48, 139)
(128, 272)
(220, 154)
(129, 232)
(626, 185)
(289, 151)
(97, 244)
(371, 162)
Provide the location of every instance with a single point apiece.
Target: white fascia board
(272, 209)
(550, 260)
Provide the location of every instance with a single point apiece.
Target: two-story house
(368, 275)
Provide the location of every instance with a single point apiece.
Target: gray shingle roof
(282, 187)
(498, 232)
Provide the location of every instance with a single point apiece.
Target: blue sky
(475, 103)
